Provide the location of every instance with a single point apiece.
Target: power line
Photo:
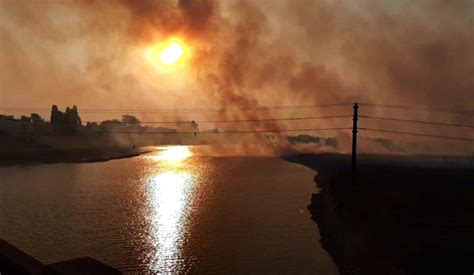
(226, 132)
(195, 110)
(187, 122)
(225, 121)
(420, 121)
(418, 108)
(417, 134)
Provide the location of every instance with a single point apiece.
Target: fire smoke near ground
(244, 54)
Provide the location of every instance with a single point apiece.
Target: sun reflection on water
(169, 191)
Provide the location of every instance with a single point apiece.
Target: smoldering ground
(244, 54)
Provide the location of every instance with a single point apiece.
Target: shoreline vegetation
(403, 215)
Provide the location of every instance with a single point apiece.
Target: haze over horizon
(239, 54)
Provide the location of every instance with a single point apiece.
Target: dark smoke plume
(247, 54)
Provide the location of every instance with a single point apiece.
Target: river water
(167, 211)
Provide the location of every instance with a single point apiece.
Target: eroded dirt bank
(404, 215)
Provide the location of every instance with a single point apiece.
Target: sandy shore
(404, 215)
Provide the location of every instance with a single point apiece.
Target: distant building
(62, 123)
(67, 123)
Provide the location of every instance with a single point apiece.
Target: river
(168, 211)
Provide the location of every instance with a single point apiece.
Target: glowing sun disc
(167, 55)
(171, 53)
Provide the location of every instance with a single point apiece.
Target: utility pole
(354, 139)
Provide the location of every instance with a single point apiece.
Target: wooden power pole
(354, 138)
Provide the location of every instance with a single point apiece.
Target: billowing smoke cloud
(318, 141)
(244, 54)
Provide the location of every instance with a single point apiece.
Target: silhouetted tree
(37, 119)
(192, 126)
(130, 120)
(110, 125)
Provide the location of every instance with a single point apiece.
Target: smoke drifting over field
(244, 54)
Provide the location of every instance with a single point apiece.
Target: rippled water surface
(167, 211)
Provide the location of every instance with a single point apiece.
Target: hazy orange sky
(243, 53)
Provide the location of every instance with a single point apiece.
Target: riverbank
(21, 151)
(404, 215)
(16, 261)
(69, 156)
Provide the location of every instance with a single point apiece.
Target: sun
(167, 54)
(171, 53)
